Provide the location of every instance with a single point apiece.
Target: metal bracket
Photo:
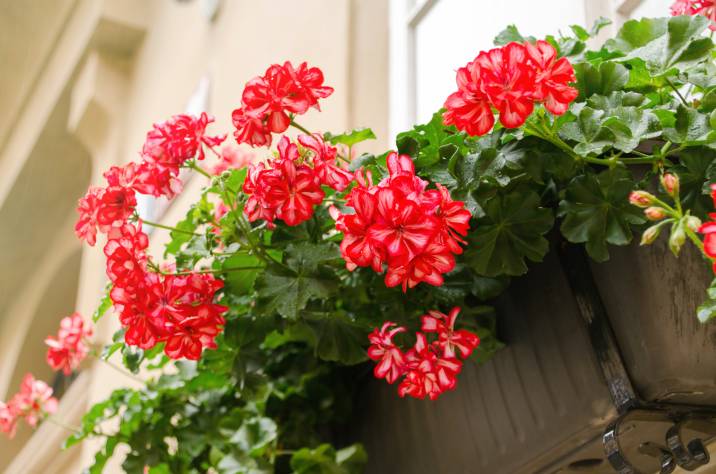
(629, 406)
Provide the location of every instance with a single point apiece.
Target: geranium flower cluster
(167, 147)
(511, 79)
(428, 368)
(706, 8)
(153, 307)
(289, 186)
(415, 231)
(177, 309)
(70, 347)
(32, 403)
(269, 102)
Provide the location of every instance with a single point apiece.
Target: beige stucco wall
(111, 69)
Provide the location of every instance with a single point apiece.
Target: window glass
(652, 9)
(454, 31)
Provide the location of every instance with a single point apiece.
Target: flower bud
(641, 198)
(693, 223)
(650, 235)
(654, 213)
(670, 182)
(677, 239)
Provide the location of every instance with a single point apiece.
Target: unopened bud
(677, 239)
(641, 198)
(654, 213)
(693, 223)
(650, 235)
(670, 182)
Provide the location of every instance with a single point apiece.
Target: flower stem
(671, 84)
(166, 227)
(62, 424)
(213, 271)
(199, 169)
(121, 370)
(300, 127)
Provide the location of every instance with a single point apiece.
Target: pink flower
(706, 8)
(8, 419)
(69, 348)
(232, 157)
(34, 400)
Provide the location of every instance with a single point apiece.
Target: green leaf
(691, 128)
(588, 131)
(339, 339)
(350, 138)
(508, 35)
(512, 230)
(707, 310)
(187, 226)
(255, 435)
(325, 460)
(696, 170)
(104, 304)
(603, 79)
(102, 456)
(600, 23)
(426, 143)
(288, 293)
(596, 210)
(240, 282)
(664, 45)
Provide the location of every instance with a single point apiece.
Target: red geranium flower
(553, 77)
(86, 226)
(69, 348)
(180, 138)
(469, 108)
(310, 82)
(391, 359)
(324, 158)
(287, 190)
(508, 81)
(402, 228)
(250, 128)
(709, 231)
(448, 338)
(270, 101)
(427, 266)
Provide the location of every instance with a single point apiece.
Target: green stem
(170, 228)
(695, 239)
(62, 424)
(121, 370)
(683, 101)
(213, 271)
(300, 127)
(199, 169)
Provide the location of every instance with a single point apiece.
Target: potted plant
(290, 280)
